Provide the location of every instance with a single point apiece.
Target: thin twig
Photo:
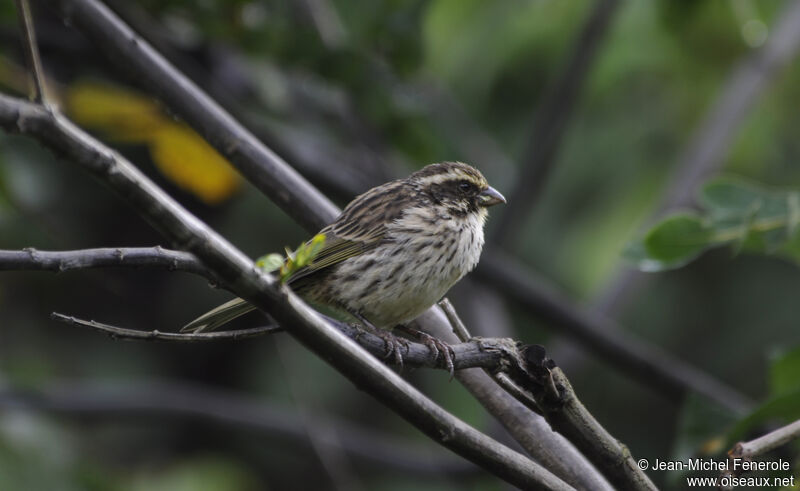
(459, 329)
(31, 49)
(763, 444)
(240, 275)
(500, 378)
(95, 403)
(488, 353)
(125, 333)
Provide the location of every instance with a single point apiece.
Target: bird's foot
(437, 347)
(392, 344)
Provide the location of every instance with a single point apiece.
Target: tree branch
(240, 275)
(126, 257)
(138, 401)
(31, 49)
(762, 445)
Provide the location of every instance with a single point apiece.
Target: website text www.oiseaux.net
(728, 469)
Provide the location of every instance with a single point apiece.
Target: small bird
(393, 252)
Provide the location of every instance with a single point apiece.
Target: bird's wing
(361, 226)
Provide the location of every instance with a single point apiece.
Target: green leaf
(677, 240)
(309, 250)
(636, 254)
(729, 195)
(270, 262)
(741, 214)
(302, 257)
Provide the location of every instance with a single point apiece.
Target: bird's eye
(465, 186)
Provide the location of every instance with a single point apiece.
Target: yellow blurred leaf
(178, 152)
(191, 163)
(121, 114)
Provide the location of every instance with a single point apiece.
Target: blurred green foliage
(738, 213)
(365, 87)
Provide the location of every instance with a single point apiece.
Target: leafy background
(368, 94)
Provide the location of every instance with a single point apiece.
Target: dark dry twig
(156, 335)
(31, 49)
(501, 378)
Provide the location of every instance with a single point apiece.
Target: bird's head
(460, 188)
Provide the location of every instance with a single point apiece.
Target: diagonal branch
(240, 275)
(567, 415)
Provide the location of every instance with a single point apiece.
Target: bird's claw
(392, 345)
(437, 347)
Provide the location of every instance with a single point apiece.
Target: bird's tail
(218, 316)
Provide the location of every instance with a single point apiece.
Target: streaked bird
(394, 251)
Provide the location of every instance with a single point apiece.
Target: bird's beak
(490, 196)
